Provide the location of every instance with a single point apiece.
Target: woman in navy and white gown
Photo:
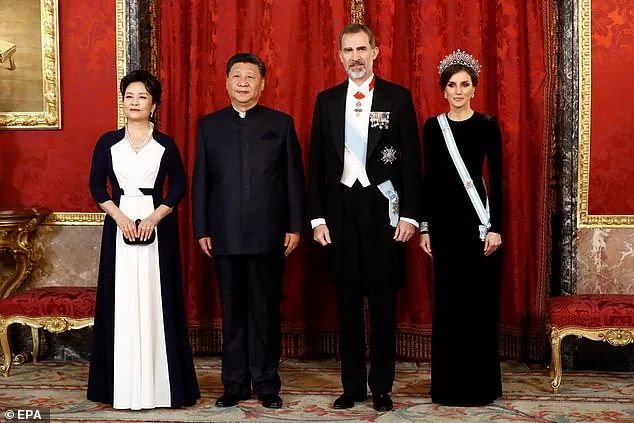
(141, 357)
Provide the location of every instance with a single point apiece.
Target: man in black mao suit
(364, 198)
(247, 194)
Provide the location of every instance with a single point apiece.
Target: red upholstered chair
(608, 318)
(55, 309)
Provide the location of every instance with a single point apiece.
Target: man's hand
(492, 242)
(321, 234)
(205, 245)
(290, 242)
(425, 244)
(404, 231)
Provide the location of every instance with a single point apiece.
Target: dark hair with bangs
(151, 82)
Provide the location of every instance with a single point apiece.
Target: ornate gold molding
(357, 11)
(617, 337)
(121, 56)
(50, 117)
(17, 231)
(584, 219)
(74, 219)
(55, 324)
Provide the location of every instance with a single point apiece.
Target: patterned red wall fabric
(50, 168)
(612, 127)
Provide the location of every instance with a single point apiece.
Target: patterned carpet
(309, 387)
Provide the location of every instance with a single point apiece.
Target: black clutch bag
(138, 241)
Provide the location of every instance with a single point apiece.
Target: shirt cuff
(408, 220)
(316, 222)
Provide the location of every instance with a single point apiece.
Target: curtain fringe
(299, 343)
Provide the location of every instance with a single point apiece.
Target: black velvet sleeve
(494, 160)
(175, 176)
(99, 173)
(426, 193)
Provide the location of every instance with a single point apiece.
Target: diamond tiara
(459, 57)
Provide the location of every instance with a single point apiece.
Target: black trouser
(250, 294)
(370, 266)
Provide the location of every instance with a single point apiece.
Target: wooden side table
(17, 230)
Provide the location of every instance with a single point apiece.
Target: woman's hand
(492, 242)
(146, 227)
(425, 244)
(127, 226)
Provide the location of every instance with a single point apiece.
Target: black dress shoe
(347, 401)
(382, 402)
(271, 401)
(230, 400)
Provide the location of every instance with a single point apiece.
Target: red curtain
(298, 40)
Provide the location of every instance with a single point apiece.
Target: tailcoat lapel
(381, 102)
(337, 111)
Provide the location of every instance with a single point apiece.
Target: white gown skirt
(141, 377)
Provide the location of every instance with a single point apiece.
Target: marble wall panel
(605, 261)
(66, 256)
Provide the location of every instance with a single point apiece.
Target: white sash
(388, 191)
(483, 213)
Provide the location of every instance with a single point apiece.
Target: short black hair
(247, 58)
(454, 69)
(151, 82)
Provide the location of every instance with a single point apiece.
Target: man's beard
(357, 74)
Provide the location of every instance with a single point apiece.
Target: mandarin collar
(253, 110)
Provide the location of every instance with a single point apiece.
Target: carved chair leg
(6, 348)
(35, 337)
(555, 361)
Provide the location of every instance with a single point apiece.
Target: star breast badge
(388, 155)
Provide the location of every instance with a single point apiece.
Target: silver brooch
(389, 155)
(380, 119)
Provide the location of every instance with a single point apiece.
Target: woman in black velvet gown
(465, 367)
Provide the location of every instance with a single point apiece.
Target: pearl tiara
(459, 57)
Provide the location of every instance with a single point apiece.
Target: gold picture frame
(48, 114)
(584, 218)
